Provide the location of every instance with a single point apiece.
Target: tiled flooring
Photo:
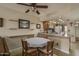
(56, 53)
(17, 53)
(59, 53)
(75, 49)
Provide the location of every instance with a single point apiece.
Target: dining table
(37, 42)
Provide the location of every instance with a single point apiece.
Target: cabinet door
(45, 26)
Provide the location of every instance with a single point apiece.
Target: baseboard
(16, 51)
(62, 52)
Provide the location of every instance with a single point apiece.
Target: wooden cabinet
(45, 26)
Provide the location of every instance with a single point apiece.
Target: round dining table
(37, 42)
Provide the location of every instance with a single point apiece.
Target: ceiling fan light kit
(37, 12)
(27, 11)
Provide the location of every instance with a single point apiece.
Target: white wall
(61, 43)
(77, 31)
(9, 14)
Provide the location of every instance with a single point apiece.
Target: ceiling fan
(33, 6)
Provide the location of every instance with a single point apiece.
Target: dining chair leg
(52, 53)
(22, 53)
(37, 51)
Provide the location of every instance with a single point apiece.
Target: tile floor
(75, 49)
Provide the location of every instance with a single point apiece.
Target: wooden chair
(5, 48)
(26, 50)
(45, 36)
(38, 35)
(1, 47)
(42, 35)
(48, 50)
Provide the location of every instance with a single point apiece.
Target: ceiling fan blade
(24, 4)
(37, 12)
(41, 6)
(27, 11)
(34, 5)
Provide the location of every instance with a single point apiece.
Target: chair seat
(27, 50)
(48, 50)
(31, 50)
(45, 51)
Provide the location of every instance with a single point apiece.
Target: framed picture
(24, 24)
(38, 26)
(1, 22)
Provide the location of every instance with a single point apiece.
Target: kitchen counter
(55, 35)
(15, 35)
(60, 42)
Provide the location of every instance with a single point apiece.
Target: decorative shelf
(14, 20)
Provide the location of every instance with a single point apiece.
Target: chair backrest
(1, 46)
(5, 47)
(42, 35)
(24, 45)
(45, 36)
(38, 35)
(50, 45)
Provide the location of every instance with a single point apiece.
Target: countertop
(55, 35)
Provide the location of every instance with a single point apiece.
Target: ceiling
(54, 10)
